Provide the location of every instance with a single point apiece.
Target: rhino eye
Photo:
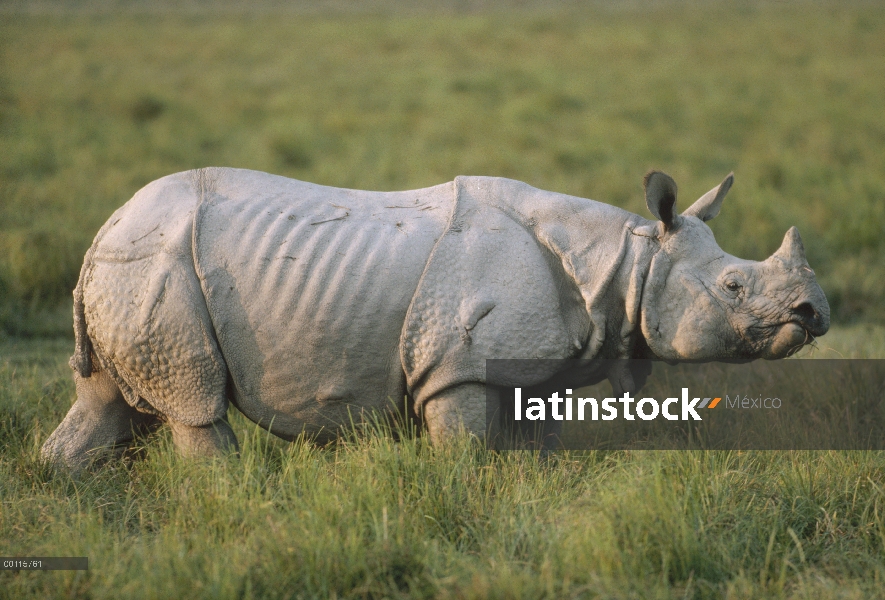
(733, 286)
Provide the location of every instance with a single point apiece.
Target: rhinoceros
(303, 305)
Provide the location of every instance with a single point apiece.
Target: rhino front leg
(475, 409)
(99, 422)
(463, 408)
(215, 439)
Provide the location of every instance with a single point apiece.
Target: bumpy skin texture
(307, 306)
(145, 312)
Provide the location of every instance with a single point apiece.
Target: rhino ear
(660, 197)
(707, 206)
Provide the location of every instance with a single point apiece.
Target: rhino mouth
(801, 327)
(809, 340)
(788, 338)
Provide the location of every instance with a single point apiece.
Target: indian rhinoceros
(302, 304)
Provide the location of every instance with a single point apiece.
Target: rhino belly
(308, 288)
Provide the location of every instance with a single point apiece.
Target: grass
(94, 105)
(374, 518)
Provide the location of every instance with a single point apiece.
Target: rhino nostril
(805, 312)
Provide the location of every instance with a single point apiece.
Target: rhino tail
(82, 360)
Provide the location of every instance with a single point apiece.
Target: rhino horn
(792, 252)
(707, 206)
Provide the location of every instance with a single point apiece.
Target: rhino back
(308, 287)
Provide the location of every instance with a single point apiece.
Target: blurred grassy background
(96, 102)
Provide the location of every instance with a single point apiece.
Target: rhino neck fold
(602, 248)
(613, 290)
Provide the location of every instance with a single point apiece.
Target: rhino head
(700, 303)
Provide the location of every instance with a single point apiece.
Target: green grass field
(94, 105)
(374, 518)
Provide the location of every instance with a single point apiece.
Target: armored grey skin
(307, 306)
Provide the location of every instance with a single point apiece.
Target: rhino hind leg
(99, 425)
(102, 425)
